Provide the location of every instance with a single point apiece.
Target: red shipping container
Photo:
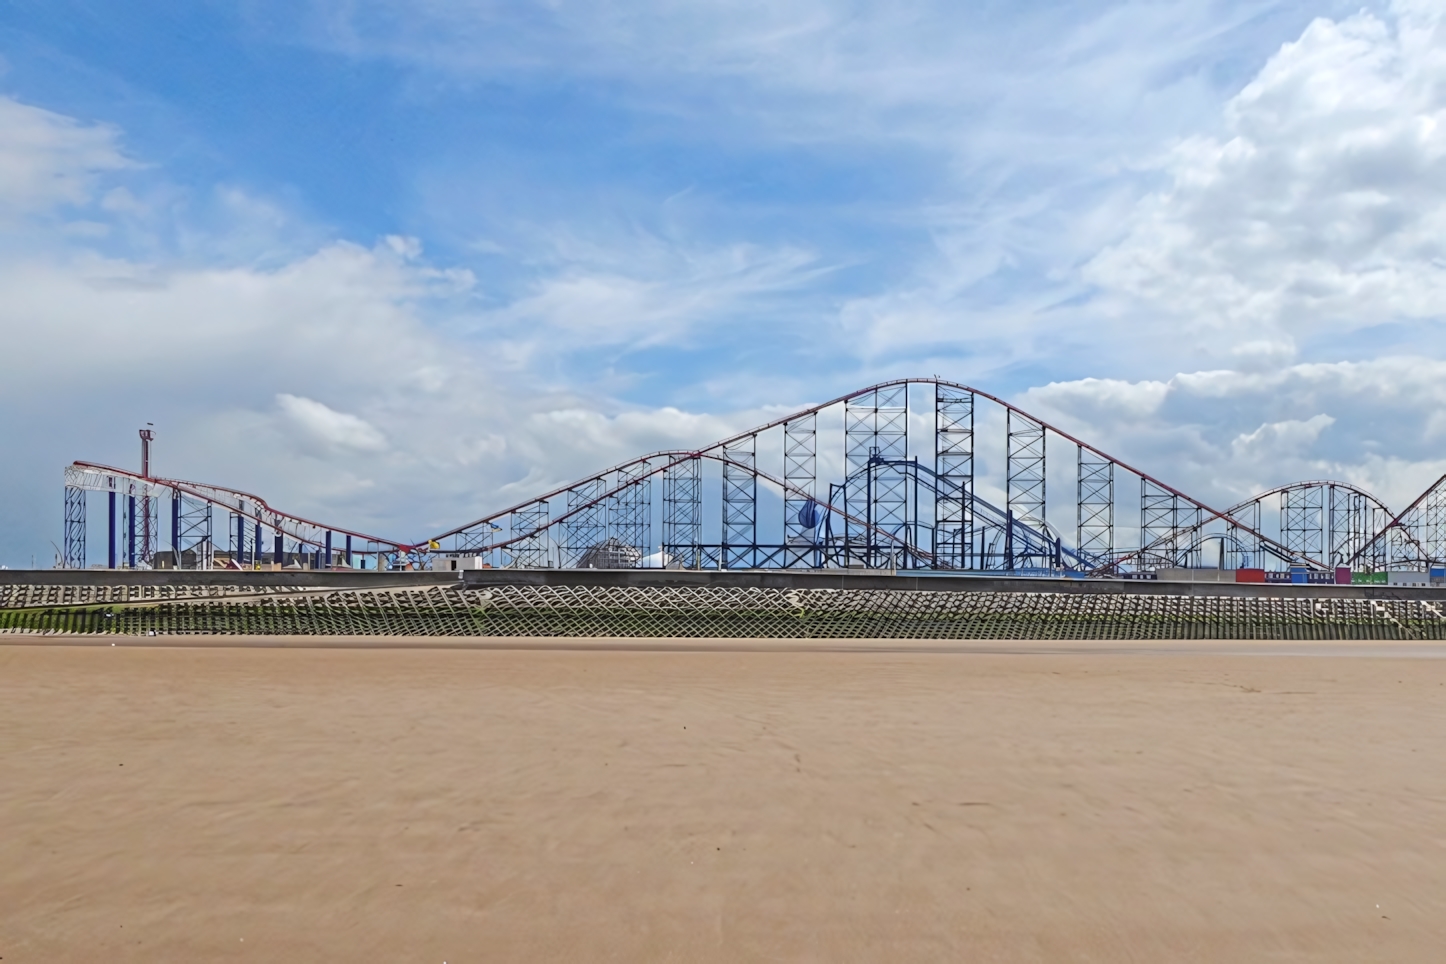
(1250, 575)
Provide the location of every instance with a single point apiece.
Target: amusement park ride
(889, 477)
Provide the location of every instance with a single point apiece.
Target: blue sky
(395, 263)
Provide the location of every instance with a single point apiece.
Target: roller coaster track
(889, 508)
(1340, 515)
(81, 477)
(714, 451)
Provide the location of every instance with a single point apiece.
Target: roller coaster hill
(899, 476)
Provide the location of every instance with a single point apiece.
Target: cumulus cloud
(1320, 208)
(326, 425)
(1274, 439)
(1223, 435)
(323, 382)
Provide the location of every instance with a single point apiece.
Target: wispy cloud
(48, 159)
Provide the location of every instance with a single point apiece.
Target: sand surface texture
(289, 804)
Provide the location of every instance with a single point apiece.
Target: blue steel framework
(954, 467)
(683, 512)
(801, 516)
(740, 504)
(890, 508)
(192, 508)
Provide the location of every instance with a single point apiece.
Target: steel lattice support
(530, 522)
(1303, 521)
(192, 521)
(1396, 548)
(876, 426)
(1159, 526)
(740, 503)
(128, 512)
(1095, 504)
(954, 467)
(1024, 481)
(145, 520)
(890, 487)
(236, 534)
(476, 539)
(147, 533)
(74, 528)
(630, 515)
(1355, 519)
(1249, 546)
(683, 512)
(1432, 531)
(587, 526)
(801, 515)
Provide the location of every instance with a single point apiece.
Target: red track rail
(1212, 513)
(198, 490)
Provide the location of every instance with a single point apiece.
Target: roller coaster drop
(908, 498)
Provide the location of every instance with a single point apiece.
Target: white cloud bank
(1320, 209)
(1224, 435)
(362, 385)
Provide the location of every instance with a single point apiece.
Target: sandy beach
(285, 803)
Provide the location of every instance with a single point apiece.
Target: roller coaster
(902, 475)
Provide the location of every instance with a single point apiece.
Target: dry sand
(288, 804)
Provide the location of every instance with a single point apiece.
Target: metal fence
(659, 612)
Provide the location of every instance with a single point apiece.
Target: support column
(630, 511)
(529, 522)
(74, 528)
(740, 504)
(683, 513)
(876, 427)
(1009, 539)
(587, 526)
(328, 549)
(110, 520)
(278, 554)
(800, 510)
(1095, 506)
(954, 472)
(176, 527)
(131, 531)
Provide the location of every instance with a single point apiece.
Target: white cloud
(1223, 435)
(821, 69)
(1275, 439)
(1006, 132)
(48, 159)
(330, 427)
(649, 292)
(323, 384)
(1320, 209)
